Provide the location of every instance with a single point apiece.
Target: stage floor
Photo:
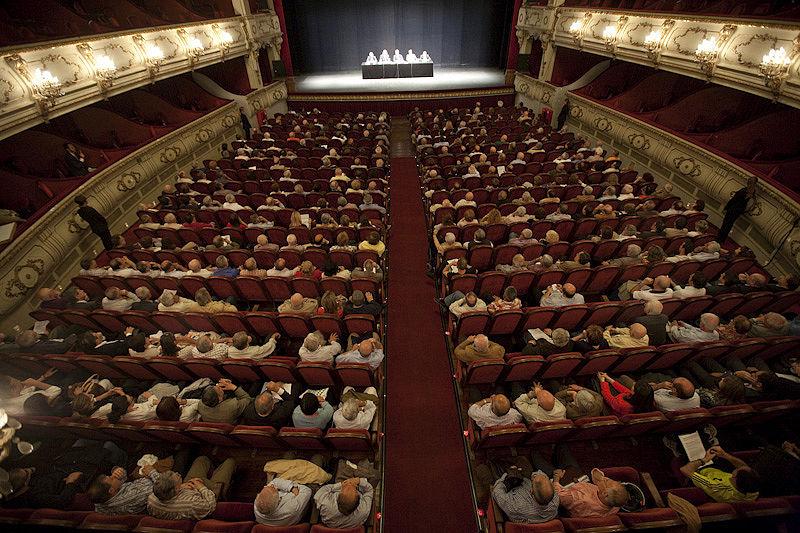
(443, 78)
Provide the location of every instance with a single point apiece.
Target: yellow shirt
(717, 485)
(622, 339)
(377, 248)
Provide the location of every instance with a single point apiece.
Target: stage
(443, 79)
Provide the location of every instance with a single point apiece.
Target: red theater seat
(156, 525)
(219, 526)
(102, 522)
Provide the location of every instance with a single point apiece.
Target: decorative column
(548, 56)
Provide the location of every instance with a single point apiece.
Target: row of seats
(274, 368)
(538, 192)
(590, 428)
(243, 288)
(264, 258)
(265, 178)
(228, 517)
(578, 317)
(261, 323)
(201, 433)
(526, 368)
(658, 517)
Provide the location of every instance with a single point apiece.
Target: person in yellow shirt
(740, 485)
(206, 305)
(373, 244)
(633, 337)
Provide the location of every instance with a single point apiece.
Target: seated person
(558, 295)
(537, 404)
(477, 348)
(508, 302)
(526, 500)
(580, 402)
(281, 502)
(707, 332)
(298, 304)
(242, 349)
(194, 499)
(115, 495)
(672, 394)
(626, 398)
(313, 412)
(356, 410)
(632, 337)
(368, 351)
(725, 479)
(219, 407)
(495, 410)
(458, 303)
(315, 350)
(273, 407)
(345, 505)
(362, 304)
(600, 497)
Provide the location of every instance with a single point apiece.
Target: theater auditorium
(401, 266)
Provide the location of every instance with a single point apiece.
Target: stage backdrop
(327, 36)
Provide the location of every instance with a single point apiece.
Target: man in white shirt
(241, 349)
(675, 395)
(469, 199)
(196, 269)
(314, 349)
(117, 299)
(539, 405)
(371, 59)
(397, 57)
(170, 301)
(459, 306)
(14, 393)
(385, 57)
(495, 410)
(411, 57)
(562, 213)
(280, 270)
(369, 351)
(205, 348)
(661, 289)
(354, 413)
(425, 57)
(557, 295)
(708, 252)
(232, 204)
(695, 287)
(707, 332)
(281, 503)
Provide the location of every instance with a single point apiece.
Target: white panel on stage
(443, 78)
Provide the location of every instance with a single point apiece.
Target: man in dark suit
(561, 344)
(655, 321)
(265, 410)
(145, 302)
(97, 222)
(29, 341)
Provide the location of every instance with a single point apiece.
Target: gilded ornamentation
(170, 154)
(602, 124)
(228, 121)
(52, 58)
(203, 135)
(695, 30)
(25, 278)
(686, 166)
(738, 50)
(639, 141)
(128, 181)
(5, 96)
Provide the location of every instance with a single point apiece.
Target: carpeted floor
(427, 483)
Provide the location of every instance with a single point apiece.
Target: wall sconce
(708, 50)
(46, 89)
(103, 67)
(774, 67)
(224, 39)
(194, 48)
(610, 38)
(152, 56)
(576, 30)
(654, 40)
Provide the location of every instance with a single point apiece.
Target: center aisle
(426, 478)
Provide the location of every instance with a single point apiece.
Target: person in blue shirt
(313, 412)
(224, 270)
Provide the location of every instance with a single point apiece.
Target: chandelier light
(104, 69)
(774, 67)
(652, 39)
(706, 54)
(194, 47)
(576, 30)
(46, 87)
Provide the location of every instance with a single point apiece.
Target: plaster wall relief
(742, 43)
(694, 171)
(72, 62)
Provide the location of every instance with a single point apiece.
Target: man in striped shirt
(114, 495)
(192, 499)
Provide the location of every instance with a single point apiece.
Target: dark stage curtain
(327, 36)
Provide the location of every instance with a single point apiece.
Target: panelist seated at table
(397, 57)
(371, 59)
(385, 57)
(425, 57)
(411, 57)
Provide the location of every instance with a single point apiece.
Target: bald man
(281, 503)
(279, 269)
(196, 269)
(706, 332)
(632, 337)
(526, 500)
(495, 410)
(557, 295)
(477, 348)
(539, 405)
(369, 351)
(655, 321)
(674, 395)
(345, 505)
(298, 304)
(661, 289)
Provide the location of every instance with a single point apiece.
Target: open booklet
(277, 395)
(693, 446)
(538, 334)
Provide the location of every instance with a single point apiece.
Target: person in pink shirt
(602, 496)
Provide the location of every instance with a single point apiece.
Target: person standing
(97, 222)
(562, 115)
(736, 207)
(245, 123)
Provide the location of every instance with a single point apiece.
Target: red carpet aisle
(427, 484)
